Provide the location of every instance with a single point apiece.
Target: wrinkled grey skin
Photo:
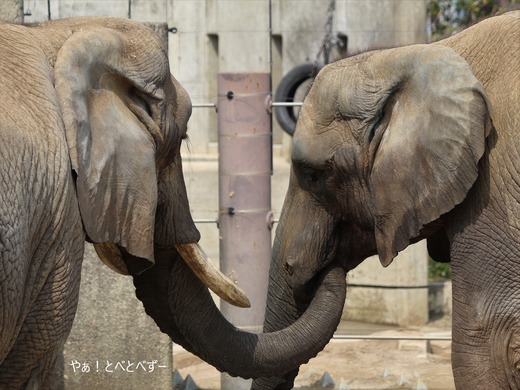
(91, 123)
(409, 143)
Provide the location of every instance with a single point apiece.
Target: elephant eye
(313, 178)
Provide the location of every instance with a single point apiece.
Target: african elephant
(391, 147)
(404, 144)
(90, 134)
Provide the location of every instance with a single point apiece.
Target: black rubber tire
(287, 89)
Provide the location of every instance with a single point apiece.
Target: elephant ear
(105, 87)
(433, 123)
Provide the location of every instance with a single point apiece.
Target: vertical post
(245, 217)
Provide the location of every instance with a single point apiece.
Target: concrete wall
(403, 297)
(113, 343)
(11, 11)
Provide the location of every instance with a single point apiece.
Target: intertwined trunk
(183, 308)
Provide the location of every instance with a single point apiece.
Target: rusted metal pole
(245, 168)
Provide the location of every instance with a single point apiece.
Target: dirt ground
(360, 364)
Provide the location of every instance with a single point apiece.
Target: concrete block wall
(113, 344)
(382, 23)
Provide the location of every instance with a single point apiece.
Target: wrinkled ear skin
(436, 119)
(117, 179)
(111, 92)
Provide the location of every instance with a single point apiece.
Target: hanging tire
(288, 89)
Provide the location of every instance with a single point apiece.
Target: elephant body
(484, 230)
(91, 125)
(412, 143)
(41, 236)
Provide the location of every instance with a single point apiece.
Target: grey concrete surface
(403, 297)
(113, 343)
(11, 11)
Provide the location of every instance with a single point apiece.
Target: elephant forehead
(347, 88)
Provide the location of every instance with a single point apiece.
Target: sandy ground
(360, 364)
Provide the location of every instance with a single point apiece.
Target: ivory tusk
(111, 256)
(211, 276)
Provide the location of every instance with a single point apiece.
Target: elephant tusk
(211, 276)
(111, 256)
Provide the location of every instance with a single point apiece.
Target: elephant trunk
(281, 312)
(252, 355)
(183, 308)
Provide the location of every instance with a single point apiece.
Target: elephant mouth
(303, 294)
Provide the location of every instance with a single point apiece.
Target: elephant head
(125, 117)
(386, 143)
(399, 145)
